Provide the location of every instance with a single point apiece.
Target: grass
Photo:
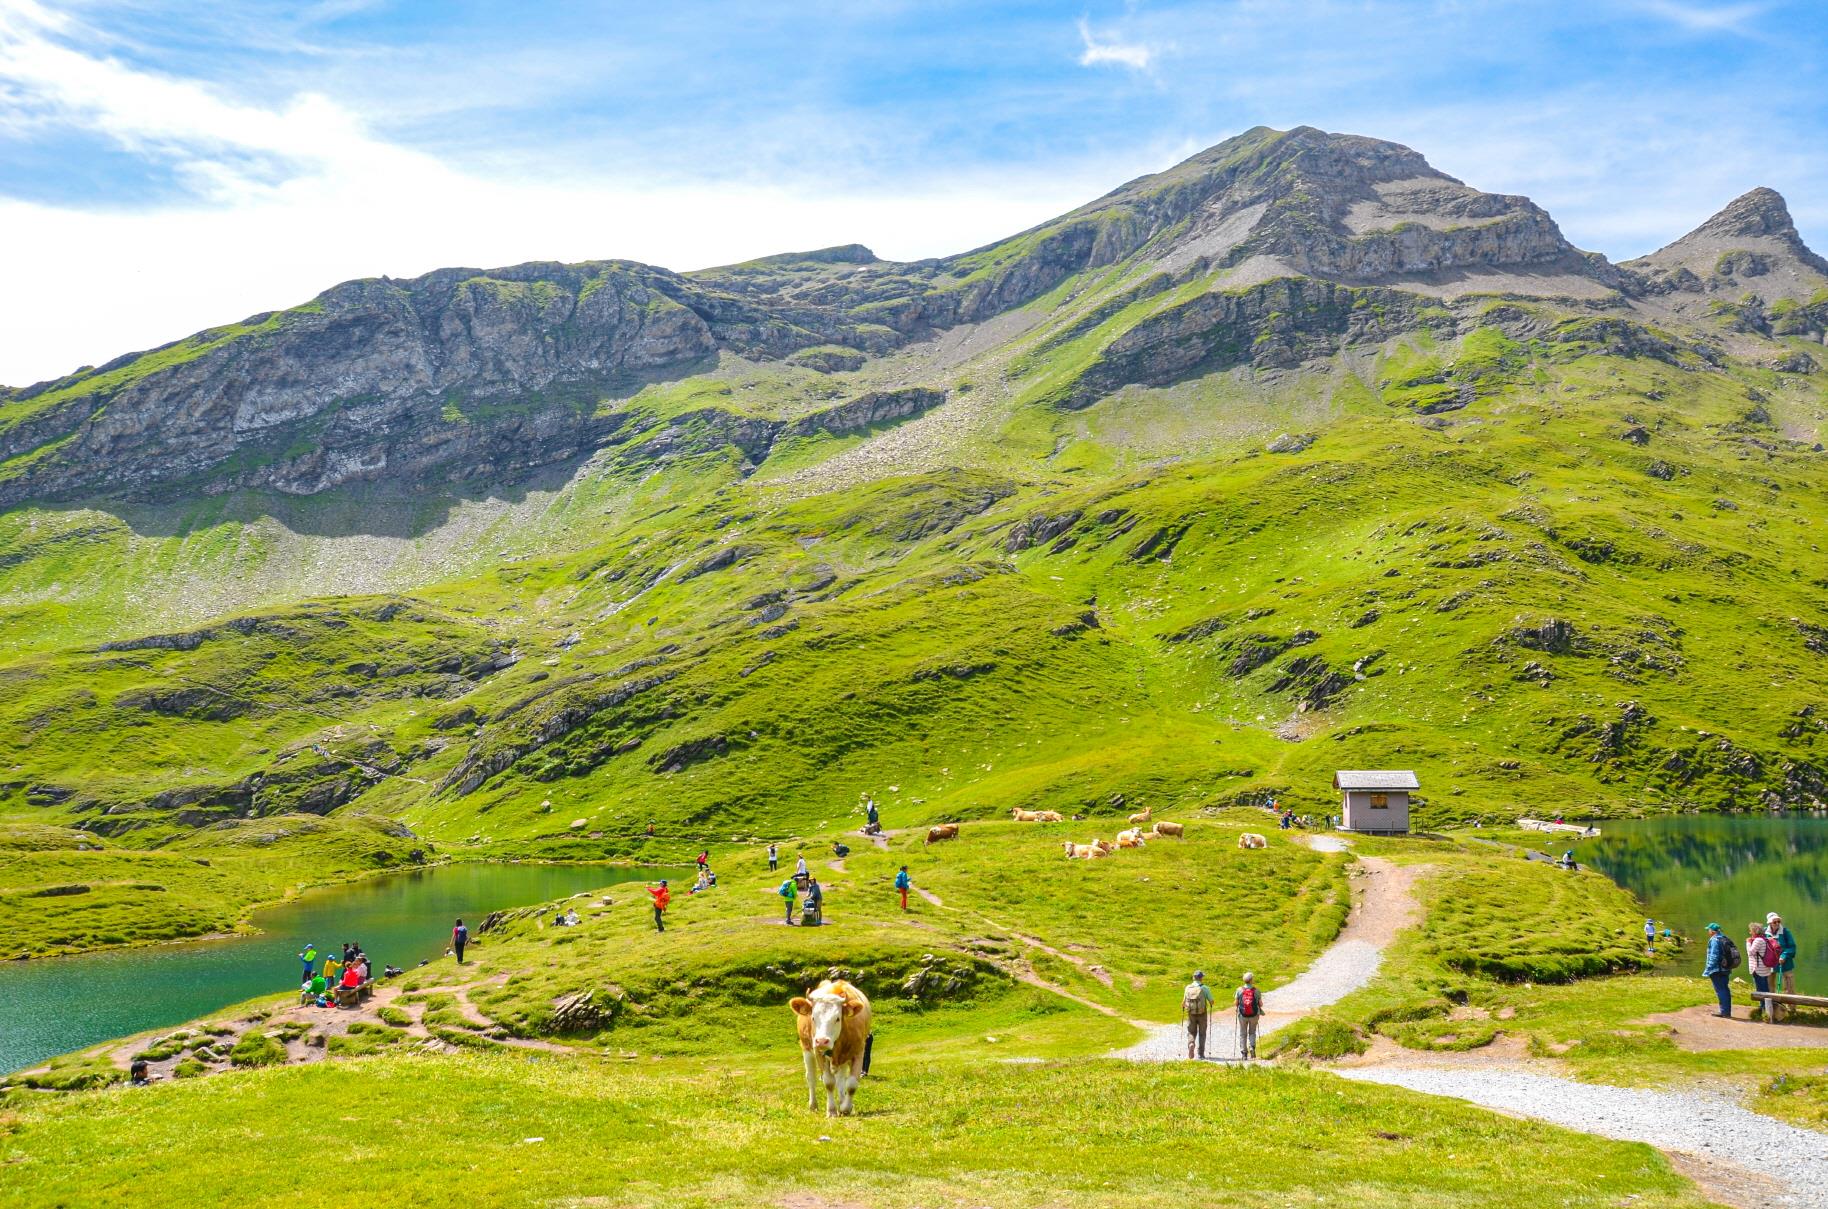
(532, 1130)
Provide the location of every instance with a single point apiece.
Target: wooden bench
(1778, 999)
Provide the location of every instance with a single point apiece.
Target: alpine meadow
(1298, 456)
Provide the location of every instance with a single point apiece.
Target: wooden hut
(1375, 802)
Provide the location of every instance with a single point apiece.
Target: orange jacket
(662, 897)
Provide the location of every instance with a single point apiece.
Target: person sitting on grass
(320, 986)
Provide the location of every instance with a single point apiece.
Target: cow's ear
(801, 1005)
(852, 1007)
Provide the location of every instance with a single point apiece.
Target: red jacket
(662, 897)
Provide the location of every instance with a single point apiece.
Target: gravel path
(1384, 907)
(1706, 1126)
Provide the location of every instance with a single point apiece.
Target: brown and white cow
(1024, 816)
(1251, 839)
(1081, 852)
(1174, 829)
(944, 831)
(834, 1024)
(1049, 816)
(1133, 838)
(1142, 816)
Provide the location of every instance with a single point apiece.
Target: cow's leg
(852, 1077)
(812, 1081)
(831, 1086)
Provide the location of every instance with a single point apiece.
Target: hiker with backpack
(1722, 959)
(1249, 1001)
(1765, 957)
(1196, 1005)
(790, 890)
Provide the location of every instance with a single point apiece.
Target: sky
(168, 165)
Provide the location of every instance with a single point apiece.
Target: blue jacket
(1716, 956)
(901, 880)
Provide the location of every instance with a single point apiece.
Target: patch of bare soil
(1698, 1030)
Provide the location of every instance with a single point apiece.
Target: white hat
(1773, 917)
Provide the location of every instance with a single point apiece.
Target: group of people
(348, 972)
(1196, 1007)
(1770, 951)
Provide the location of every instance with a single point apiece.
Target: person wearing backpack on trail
(1786, 948)
(1249, 1001)
(460, 936)
(1764, 955)
(1196, 1005)
(1722, 958)
(789, 889)
(902, 882)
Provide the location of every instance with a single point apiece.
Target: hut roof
(1375, 779)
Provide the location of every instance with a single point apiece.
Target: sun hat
(1773, 917)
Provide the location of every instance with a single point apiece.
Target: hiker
(650, 829)
(1650, 936)
(460, 936)
(704, 861)
(902, 883)
(773, 858)
(840, 850)
(1721, 958)
(790, 889)
(308, 955)
(1196, 1005)
(662, 899)
(1249, 1001)
(1786, 945)
(1765, 956)
(812, 910)
(799, 866)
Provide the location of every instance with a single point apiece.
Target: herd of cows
(1134, 837)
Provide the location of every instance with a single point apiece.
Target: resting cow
(1173, 829)
(1132, 838)
(1082, 852)
(834, 1024)
(1251, 839)
(944, 831)
(1024, 816)
(1142, 816)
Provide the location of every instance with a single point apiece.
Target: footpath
(1706, 1133)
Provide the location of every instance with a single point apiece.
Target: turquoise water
(1693, 870)
(59, 1004)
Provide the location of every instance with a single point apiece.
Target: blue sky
(169, 165)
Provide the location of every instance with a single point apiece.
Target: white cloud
(1108, 51)
(1704, 18)
(296, 197)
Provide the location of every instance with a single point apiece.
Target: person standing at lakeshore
(1196, 1006)
(308, 955)
(1650, 936)
(1249, 1002)
(902, 882)
(1785, 978)
(1764, 956)
(774, 858)
(663, 898)
(1719, 968)
(460, 939)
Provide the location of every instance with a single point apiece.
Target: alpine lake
(54, 1005)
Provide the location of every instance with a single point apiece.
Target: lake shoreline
(244, 927)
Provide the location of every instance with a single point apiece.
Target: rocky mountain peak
(1760, 211)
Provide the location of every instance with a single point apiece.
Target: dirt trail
(1384, 904)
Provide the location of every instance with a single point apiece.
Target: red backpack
(1249, 1001)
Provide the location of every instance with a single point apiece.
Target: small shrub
(257, 1049)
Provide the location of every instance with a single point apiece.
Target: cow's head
(828, 1012)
